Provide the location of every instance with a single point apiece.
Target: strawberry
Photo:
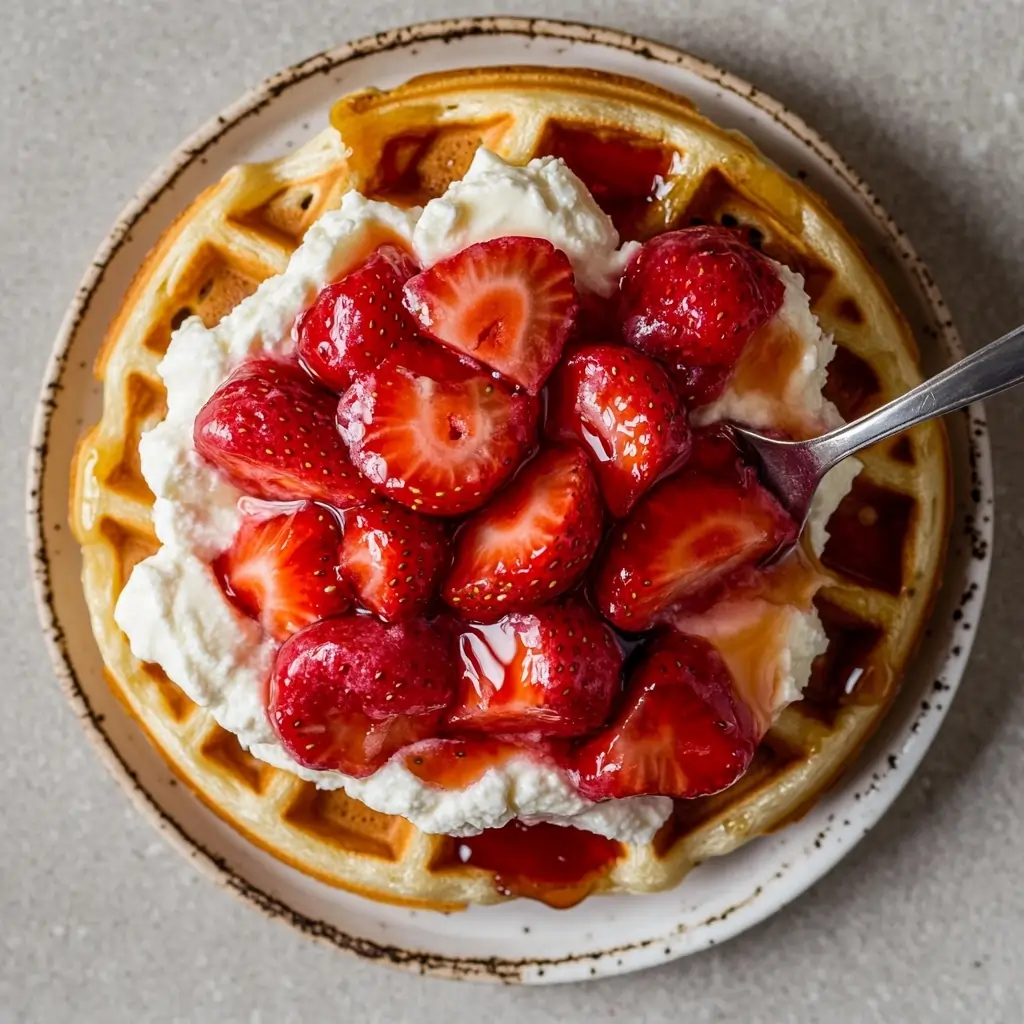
(693, 298)
(349, 692)
(357, 321)
(270, 430)
(509, 302)
(282, 566)
(681, 732)
(393, 559)
(437, 444)
(622, 407)
(531, 543)
(553, 672)
(686, 536)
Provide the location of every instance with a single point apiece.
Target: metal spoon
(792, 470)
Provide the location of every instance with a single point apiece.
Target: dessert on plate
(414, 535)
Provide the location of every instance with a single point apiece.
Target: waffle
(405, 145)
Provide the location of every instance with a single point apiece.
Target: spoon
(792, 470)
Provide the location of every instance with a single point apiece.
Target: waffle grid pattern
(407, 145)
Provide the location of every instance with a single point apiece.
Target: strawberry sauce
(622, 176)
(456, 763)
(558, 865)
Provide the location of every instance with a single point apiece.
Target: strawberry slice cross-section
(437, 443)
(554, 672)
(681, 731)
(510, 303)
(686, 537)
(270, 430)
(531, 543)
(282, 566)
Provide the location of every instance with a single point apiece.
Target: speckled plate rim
(609, 961)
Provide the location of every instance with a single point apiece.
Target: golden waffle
(405, 145)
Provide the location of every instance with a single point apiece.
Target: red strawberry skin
(437, 444)
(347, 693)
(681, 731)
(270, 430)
(685, 538)
(355, 323)
(393, 559)
(622, 407)
(509, 303)
(694, 297)
(531, 543)
(282, 566)
(552, 672)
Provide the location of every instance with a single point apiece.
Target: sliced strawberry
(509, 302)
(270, 430)
(685, 537)
(554, 672)
(531, 543)
(441, 446)
(282, 566)
(682, 731)
(693, 298)
(349, 692)
(393, 559)
(356, 322)
(622, 407)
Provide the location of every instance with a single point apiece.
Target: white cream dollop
(542, 199)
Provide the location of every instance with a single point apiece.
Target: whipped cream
(544, 199)
(174, 612)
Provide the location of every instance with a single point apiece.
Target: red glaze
(556, 864)
(552, 672)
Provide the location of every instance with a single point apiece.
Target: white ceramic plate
(519, 941)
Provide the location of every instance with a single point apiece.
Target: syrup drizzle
(558, 865)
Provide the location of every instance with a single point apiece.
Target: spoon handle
(994, 368)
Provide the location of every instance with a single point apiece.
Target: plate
(519, 941)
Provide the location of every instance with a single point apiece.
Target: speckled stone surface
(101, 921)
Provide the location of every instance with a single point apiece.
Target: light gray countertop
(100, 920)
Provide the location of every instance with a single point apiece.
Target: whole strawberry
(270, 430)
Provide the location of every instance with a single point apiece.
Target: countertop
(100, 920)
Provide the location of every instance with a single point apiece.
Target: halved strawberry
(356, 322)
(509, 303)
(349, 692)
(622, 407)
(393, 559)
(531, 543)
(692, 298)
(553, 672)
(682, 731)
(282, 566)
(270, 430)
(685, 537)
(440, 446)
